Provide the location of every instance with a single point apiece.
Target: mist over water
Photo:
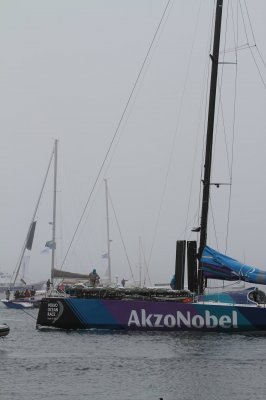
(143, 366)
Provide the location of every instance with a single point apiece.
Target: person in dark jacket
(94, 278)
(8, 294)
(172, 283)
(48, 285)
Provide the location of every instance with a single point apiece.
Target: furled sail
(219, 266)
(66, 274)
(31, 235)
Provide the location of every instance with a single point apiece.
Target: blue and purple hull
(134, 315)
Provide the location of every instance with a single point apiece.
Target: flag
(50, 244)
(45, 251)
(105, 255)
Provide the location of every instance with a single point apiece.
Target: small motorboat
(19, 303)
(4, 329)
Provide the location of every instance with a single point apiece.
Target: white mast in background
(54, 212)
(108, 234)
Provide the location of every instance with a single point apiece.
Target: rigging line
(60, 219)
(82, 240)
(233, 138)
(224, 132)
(240, 48)
(260, 55)
(250, 25)
(174, 138)
(138, 89)
(146, 266)
(192, 222)
(121, 236)
(214, 227)
(118, 127)
(26, 312)
(253, 35)
(244, 25)
(194, 161)
(220, 92)
(255, 61)
(220, 105)
(211, 33)
(224, 286)
(260, 74)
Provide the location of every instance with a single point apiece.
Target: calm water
(84, 365)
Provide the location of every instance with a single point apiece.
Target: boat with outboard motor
(21, 300)
(18, 304)
(150, 309)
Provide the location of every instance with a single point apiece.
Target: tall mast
(140, 263)
(209, 138)
(108, 234)
(54, 211)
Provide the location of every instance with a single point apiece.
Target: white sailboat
(21, 295)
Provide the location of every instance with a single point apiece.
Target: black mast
(209, 138)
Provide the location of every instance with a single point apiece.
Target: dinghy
(4, 329)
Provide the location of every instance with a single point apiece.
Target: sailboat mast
(140, 263)
(209, 138)
(54, 211)
(108, 234)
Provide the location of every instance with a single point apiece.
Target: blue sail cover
(219, 266)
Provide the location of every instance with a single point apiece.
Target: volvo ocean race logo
(54, 310)
(144, 320)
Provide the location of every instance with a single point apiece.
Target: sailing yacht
(144, 309)
(21, 295)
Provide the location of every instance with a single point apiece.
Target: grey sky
(67, 69)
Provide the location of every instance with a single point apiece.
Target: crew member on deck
(48, 285)
(32, 291)
(123, 282)
(7, 294)
(172, 283)
(94, 278)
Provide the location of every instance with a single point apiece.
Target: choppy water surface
(140, 366)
